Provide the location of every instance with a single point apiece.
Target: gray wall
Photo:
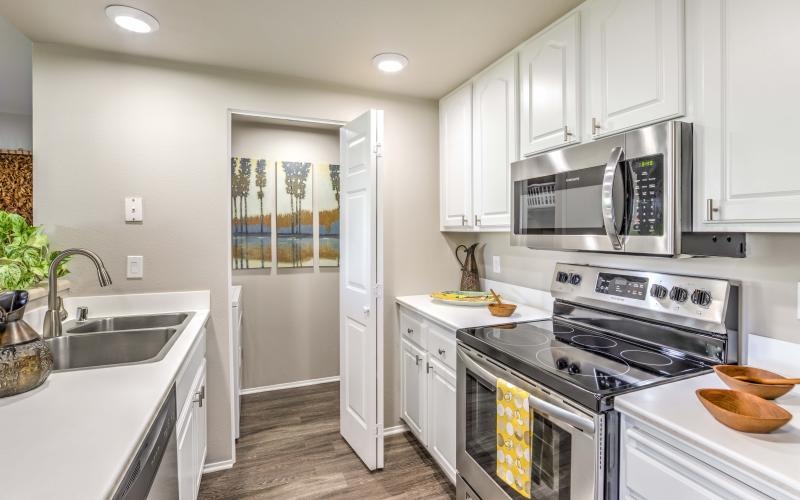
(106, 126)
(291, 316)
(15, 88)
(770, 274)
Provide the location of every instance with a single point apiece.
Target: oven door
(567, 446)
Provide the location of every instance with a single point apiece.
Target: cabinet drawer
(411, 325)
(441, 344)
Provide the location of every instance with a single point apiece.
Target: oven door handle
(607, 198)
(584, 424)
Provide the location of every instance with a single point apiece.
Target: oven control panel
(643, 293)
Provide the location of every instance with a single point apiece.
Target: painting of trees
(327, 203)
(294, 223)
(251, 233)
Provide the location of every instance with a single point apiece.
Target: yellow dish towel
(514, 437)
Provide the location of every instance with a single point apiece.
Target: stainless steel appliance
(612, 331)
(153, 473)
(628, 193)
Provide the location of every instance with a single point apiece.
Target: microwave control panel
(648, 186)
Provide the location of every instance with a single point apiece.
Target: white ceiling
(446, 41)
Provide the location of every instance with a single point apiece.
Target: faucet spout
(52, 319)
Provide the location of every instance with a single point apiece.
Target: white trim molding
(288, 385)
(397, 429)
(217, 466)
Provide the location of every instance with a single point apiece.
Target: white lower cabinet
(191, 428)
(428, 387)
(653, 469)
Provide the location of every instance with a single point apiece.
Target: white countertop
(456, 317)
(674, 408)
(73, 437)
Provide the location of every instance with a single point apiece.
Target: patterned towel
(514, 434)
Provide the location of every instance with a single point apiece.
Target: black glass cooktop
(567, 355)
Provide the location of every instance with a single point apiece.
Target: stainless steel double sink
(118, 340)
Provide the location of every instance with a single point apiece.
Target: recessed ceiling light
(390, 62)
(132, 19)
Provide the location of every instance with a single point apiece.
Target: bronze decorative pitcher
(25, 359)
(470, 280)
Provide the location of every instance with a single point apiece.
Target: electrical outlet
(135, 267)
(133, 209)
(496, 264)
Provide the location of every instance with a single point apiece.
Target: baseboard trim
(288, 385)
(397, 429)
(217, 466)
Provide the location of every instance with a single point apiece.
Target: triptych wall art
(304, 197)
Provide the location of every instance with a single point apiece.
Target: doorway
(289, 247)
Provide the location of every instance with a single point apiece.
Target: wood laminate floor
(290, 447)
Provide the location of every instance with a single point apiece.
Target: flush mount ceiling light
(390, 62)
(132, 19)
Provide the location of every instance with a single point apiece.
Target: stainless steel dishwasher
(153, 473)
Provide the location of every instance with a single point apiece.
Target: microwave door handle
(583, 424)
(607, 198)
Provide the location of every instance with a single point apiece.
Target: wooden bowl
(502, 310)
(728, 372)
(742, 411)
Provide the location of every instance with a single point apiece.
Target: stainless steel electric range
(613, 331)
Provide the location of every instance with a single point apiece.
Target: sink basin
(112, 348)
(121, 323)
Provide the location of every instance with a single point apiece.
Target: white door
(360, 301)
(548, 94)
(455, 159)
(494, 143)
(442, 417)
(747, 124)
(635, 63)
(412, 386)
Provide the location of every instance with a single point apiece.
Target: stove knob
(562, 277)
(678, 294)
(701, 298)
(574, 368)
(562, 363)
(575, 279)
(658, 291)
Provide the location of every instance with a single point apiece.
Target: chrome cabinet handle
(607, 198)
(567, 133)
(410, 331)
(441, 352)
(710, 210)
(463, 220)
(419, 358)
(477, 221)
(428, 367)
(595, 125)
(199, 396)
(580, 422)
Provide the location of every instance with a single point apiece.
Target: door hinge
(377, 291)
(379, 430)
(378, 150)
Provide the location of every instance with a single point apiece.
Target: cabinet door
(746, 128)
(548, 88)
(187, 473)
(635, 63)
(455, 159)
(442, 417)
(412, 387)
(201, 427)
(494, 143)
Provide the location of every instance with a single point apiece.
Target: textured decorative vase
(25, 359)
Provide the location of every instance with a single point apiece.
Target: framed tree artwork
(327, 206)
(294, 216)
(251, 217)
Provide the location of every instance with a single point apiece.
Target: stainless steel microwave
(628, 193)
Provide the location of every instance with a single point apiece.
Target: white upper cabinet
(455, 160)
(744, 77)
(548, 88)
(635, 63)
(494, 143)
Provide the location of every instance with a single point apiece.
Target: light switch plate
(133, 209)
(135, 266)
(496, 264)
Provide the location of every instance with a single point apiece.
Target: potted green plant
(25, 254)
